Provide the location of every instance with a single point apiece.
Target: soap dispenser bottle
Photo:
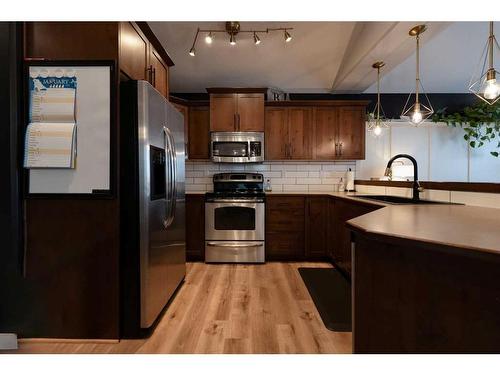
(267, 185)
(341, 184)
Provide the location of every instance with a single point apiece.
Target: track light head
(288, 37)
(256, 39)
(209, 38)
(232, 40)
(192, 52)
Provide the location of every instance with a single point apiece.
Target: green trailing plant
(481, 123)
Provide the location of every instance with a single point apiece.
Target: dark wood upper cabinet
(325, 133)
(223, 109)
(300, 133)
(316, 227)
(288, 133)
(133, 52)
(319, 130)
(199, 133)
(159, 72)
(351, 133)
(276, 133)
(250, 112)
(236, 111)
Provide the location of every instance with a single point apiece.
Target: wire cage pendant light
(418, 107)
(376, 119)
(484, 82)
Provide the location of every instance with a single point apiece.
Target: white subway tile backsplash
(285, 176)
(309, 167)
(308, 181)
(295, 188)
(295, 174)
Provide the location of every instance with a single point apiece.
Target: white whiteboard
(93, 118)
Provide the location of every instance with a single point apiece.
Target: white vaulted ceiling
(308, 63)
(324, 56)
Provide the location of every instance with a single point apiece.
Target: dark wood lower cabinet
(340, 211)
(285, 231)
(316, 227)
(195, 227)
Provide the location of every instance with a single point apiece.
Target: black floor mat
(331, 294)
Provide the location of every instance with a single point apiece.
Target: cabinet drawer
(285, 203)
(284, 245)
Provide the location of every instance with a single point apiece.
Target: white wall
(441, 152)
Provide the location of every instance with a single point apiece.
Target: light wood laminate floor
(229, 309)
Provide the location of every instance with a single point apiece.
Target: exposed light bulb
(416, 117)
(288, 37)
(377, 130)
(232, 40)
(209, 38)
(192, 51)
(492, 89)
(256, 39)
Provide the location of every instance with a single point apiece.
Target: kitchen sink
(398, 200)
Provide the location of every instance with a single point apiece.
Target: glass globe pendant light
(376, 124)
(421, 109)
(485, 85)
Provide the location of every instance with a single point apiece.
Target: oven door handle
(226, 244)
(251, 203)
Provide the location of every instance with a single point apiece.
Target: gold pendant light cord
(491, 45)
(418, 70)
(378, 94)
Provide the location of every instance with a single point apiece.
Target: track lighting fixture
(256, 39)
(418, 111)
(288, 37)
(485, 85)
(233, 28)
(209, 38)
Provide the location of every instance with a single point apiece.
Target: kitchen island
(425, 279)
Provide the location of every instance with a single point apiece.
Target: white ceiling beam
(377, 41)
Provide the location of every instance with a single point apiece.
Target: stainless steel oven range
(237, 147)
(235, 219)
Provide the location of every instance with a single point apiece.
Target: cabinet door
(351, 133)
(325, 133)
(199, 133)
(195, 227)
(250, 112)
(223, 112)
(316, 227)
(133, 52)
(300, 133)
(276, 133)
(285, 235)
(159, 76)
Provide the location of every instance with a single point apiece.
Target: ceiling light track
(232, 29)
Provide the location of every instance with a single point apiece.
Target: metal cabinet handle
(340, 147)
(214, 244)
(336, 149)
(153, 75)
(149, 74)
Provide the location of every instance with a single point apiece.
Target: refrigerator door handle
(171, 172)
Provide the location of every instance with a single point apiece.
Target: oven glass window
(230, 149)
(234, 218)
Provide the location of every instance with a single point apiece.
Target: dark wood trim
(150, 35)
(189, 103)
(237, 90)
(316, 103)
(476, 187)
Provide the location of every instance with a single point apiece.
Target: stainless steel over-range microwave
(237, 147)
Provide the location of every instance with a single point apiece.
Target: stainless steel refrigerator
(152, 206)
